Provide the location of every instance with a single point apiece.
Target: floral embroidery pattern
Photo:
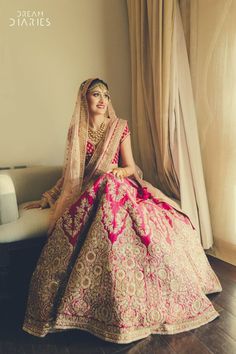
(134, 274)
(120, 264)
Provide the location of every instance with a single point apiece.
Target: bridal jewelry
(120, 172)
(96, 135)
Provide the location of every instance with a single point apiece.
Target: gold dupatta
(75, 154)
(76, 175)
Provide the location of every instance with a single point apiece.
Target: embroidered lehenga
(122, 261)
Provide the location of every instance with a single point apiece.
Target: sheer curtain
(163, 116)
(150, 62)
(211, 43)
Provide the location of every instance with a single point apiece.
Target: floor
(218, 337)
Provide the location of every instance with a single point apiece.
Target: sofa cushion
(8, 202)
(32, 223)
(31, 182)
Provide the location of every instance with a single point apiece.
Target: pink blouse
(91, 147)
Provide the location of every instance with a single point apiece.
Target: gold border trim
(41, 330)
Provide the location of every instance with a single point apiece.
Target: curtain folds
(150, 62)
(163, 115)
(211, 49)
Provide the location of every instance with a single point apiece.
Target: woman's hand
(42, 204)
(119, 172)
(33, 205)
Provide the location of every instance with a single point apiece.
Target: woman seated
(121, 260)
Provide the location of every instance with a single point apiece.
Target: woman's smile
(98, 99)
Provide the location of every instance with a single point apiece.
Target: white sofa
(22, 232)
(17, 188)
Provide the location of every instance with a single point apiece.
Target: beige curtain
(210, 29)
(150, 62)
(163, 116)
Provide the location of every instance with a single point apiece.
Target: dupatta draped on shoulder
(119, 263)
(75, 174)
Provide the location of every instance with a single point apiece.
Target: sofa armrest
(31, 182)
(8, 201)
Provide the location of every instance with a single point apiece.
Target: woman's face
(98, 99)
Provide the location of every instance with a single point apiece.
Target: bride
(121, 260)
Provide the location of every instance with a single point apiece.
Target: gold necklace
(96, 135)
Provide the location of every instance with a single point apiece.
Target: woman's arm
(127, 161)
(49, 197)
(53, 194)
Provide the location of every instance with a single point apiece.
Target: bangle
(44, 202)
(125, 174)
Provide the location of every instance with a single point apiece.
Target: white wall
(41, 69)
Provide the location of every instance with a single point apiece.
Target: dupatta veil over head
(75, 153)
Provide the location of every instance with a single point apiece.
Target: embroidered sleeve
(125, 133)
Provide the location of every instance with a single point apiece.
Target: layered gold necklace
(96, 135)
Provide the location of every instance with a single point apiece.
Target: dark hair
(95, 82)
(98, 81)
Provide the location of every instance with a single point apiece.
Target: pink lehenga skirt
(121, 265)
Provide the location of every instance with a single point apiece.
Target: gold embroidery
(106, 156)
(119, 291)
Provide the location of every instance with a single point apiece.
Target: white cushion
(32, 223)
(8, 202)
(31, 182)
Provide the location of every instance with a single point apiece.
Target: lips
(100, 106)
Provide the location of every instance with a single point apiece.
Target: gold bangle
(125, 174)
(44, 202)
